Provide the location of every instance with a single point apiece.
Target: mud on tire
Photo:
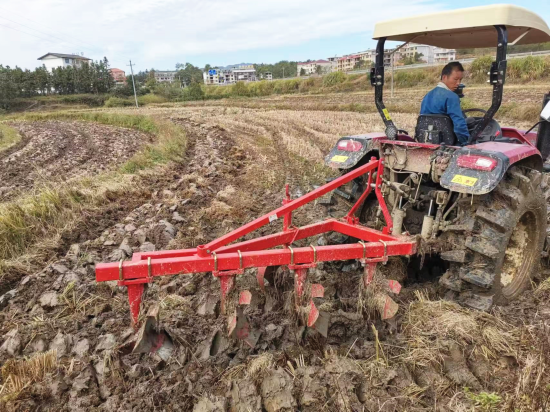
(503, 241)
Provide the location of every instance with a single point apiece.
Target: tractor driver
(443, 100)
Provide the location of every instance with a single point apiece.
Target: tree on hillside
(361, 64)
(43, 80)
(92, 77)
(287, 67)
(302, 72)
(318, 69)
(207, 67)
(8, 90)
(416, 58)
(187, 73)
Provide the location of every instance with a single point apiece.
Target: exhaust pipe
(543, 135)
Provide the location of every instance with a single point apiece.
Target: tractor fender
(479, 182)
(342, 159)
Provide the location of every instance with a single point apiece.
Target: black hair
(450, 67)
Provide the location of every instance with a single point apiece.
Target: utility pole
(392, 74)
(133, 82)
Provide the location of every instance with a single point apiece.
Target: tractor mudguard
(346, 159)
(473, 181)
(464, 176)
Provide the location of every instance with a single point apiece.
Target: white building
(333, 63)
(165, 76)
(412, 48)
(429, 54)
(243, 73)
(311, 67)
(349, 62)
(444, 55)
(55, 60)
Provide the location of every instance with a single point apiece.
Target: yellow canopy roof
(467, 28)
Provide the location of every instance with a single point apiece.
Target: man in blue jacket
(444, 100)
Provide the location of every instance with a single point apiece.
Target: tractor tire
(502, 244)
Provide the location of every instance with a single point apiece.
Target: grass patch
(55, 208)
(8, 136)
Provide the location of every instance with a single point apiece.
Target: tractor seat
(435, 129)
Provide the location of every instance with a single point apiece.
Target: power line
(30, 34)
(47, 34)
(94, 49)
(47, 27)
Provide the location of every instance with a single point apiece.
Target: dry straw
(18, 374)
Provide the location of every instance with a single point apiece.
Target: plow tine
(313, 314)
(260, 277)
(370, 270)
(299, 282)
(135, 293)
(245, 297)
(394, 286)
(226, 284)
(152, 339)
(386, 306)
(322, 323)
(317, 290)
(239, 328)
(231, 324)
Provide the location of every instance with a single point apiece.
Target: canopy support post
(497, 77)
(377, 80)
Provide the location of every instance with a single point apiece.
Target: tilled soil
(420, 361)
(56, 151)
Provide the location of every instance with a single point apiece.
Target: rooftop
(313, 62)
(64, 56)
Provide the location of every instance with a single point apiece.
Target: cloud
(155, 31)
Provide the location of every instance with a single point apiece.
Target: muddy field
(434, 356)
(56, 151)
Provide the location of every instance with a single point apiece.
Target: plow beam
(152, 267)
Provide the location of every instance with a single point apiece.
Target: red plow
(226, 260)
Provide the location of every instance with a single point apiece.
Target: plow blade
(239, 328)
(151, 339)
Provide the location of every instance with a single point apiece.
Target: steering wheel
(473, 110)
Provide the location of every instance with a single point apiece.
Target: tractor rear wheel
(503, 241)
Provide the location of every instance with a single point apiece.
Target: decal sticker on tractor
(464, 180)
(386, 114)
(339, 159)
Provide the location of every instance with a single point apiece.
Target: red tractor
(481, 207)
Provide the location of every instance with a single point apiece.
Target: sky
(160, 33)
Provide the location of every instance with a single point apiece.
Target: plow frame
(226, 260)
